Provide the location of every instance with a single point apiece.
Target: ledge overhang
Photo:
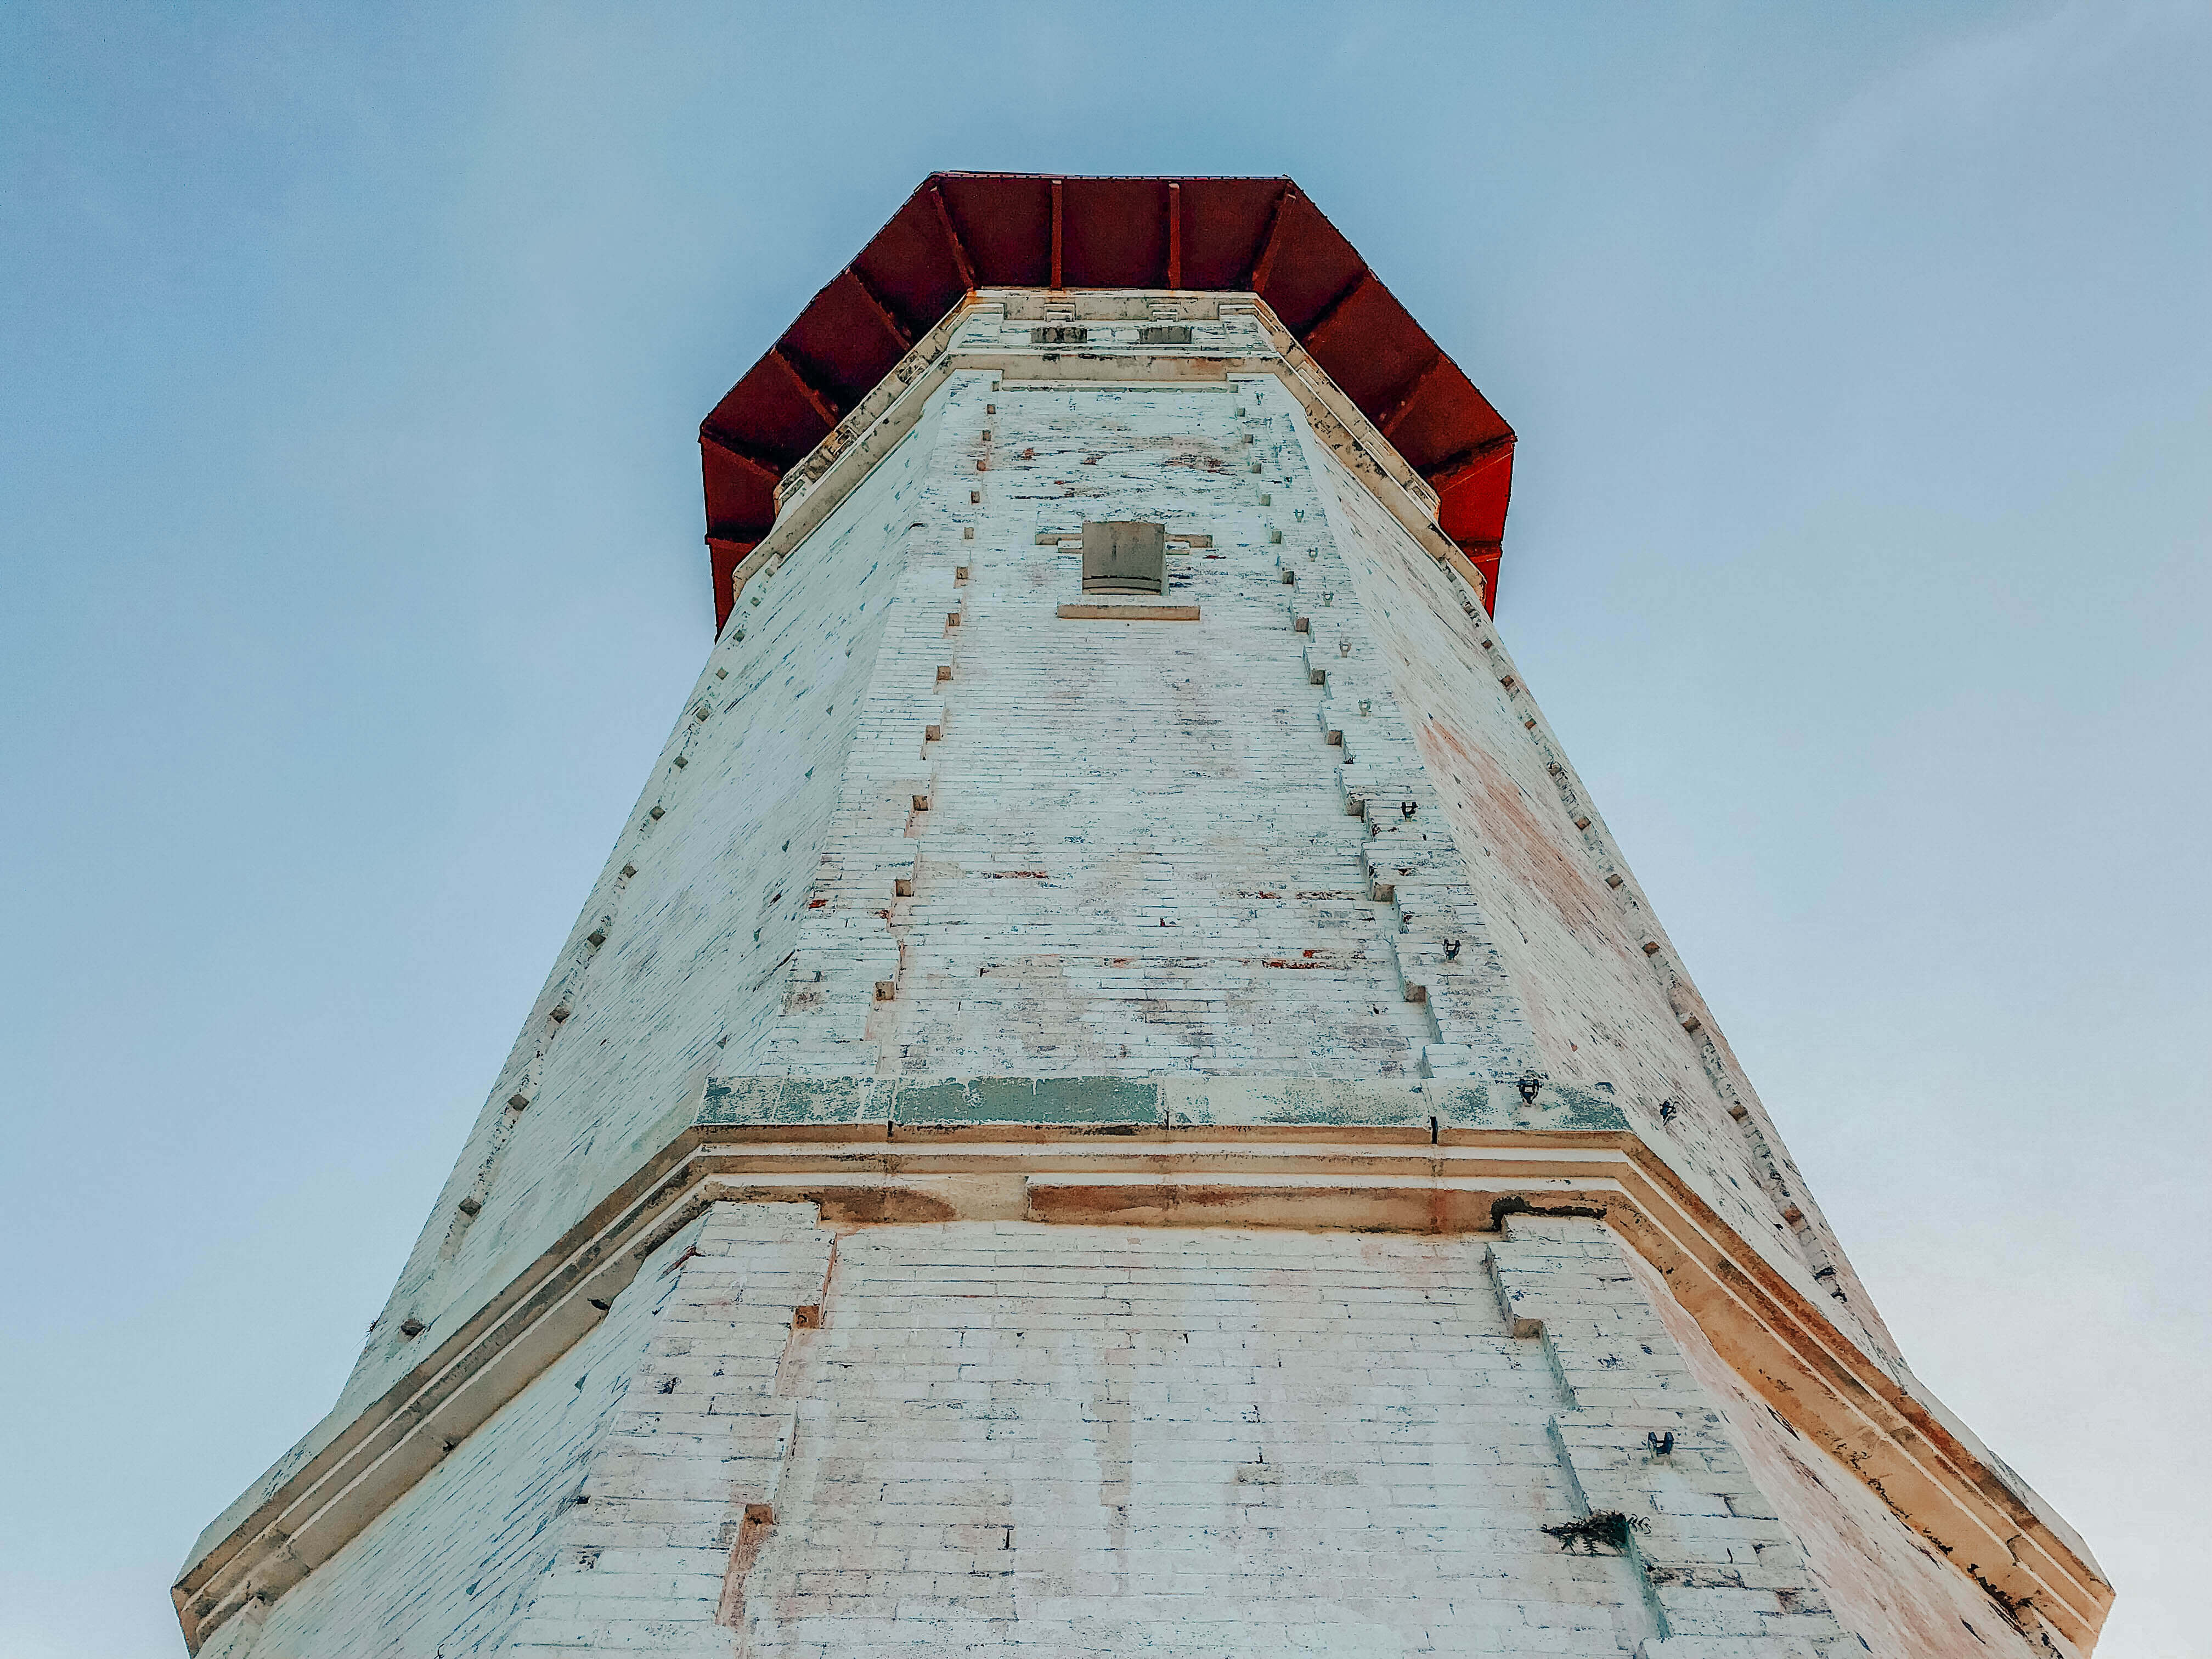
(960, 231)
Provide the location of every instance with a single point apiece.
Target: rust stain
(883, 1203)
(1515, 835)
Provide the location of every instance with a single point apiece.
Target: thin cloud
(1969, 85)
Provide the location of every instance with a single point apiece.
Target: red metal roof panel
(1224, 221)
(1114, 232)
(960, 231)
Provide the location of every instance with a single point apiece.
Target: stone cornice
(1193, 1152)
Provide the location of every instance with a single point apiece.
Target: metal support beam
(1265, 265)
(885, 314)
(820, 403)
(1335, 308)
(953, 238)
(1174, 234)
(1056, 281)
(1389, 423)
(724, 555)
(745, 454)
(1469, 460)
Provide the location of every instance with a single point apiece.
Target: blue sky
(350, 576)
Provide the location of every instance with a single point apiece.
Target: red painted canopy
(962, 231)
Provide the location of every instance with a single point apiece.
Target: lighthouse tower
(1115, 1094)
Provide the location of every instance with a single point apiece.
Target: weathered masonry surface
(991, 1436)
(1082, 1122)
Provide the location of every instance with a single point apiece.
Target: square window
(1125, 556)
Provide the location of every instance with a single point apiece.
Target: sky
(350, 576)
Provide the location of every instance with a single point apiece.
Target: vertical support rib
(1174, 234)
(953, 238)
(1265, 265)
(878, 304)
(1470, 459)
(1334, 309)
(1056, 281)
(724, 555)
(1420, 383)
(743, 454)
(815, 399)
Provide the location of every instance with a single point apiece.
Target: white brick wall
(1069, 1440)
(700, 1434)
(1086, 1440)
(600, 1501)
(1137, 856)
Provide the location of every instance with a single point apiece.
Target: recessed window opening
(1125, 556)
